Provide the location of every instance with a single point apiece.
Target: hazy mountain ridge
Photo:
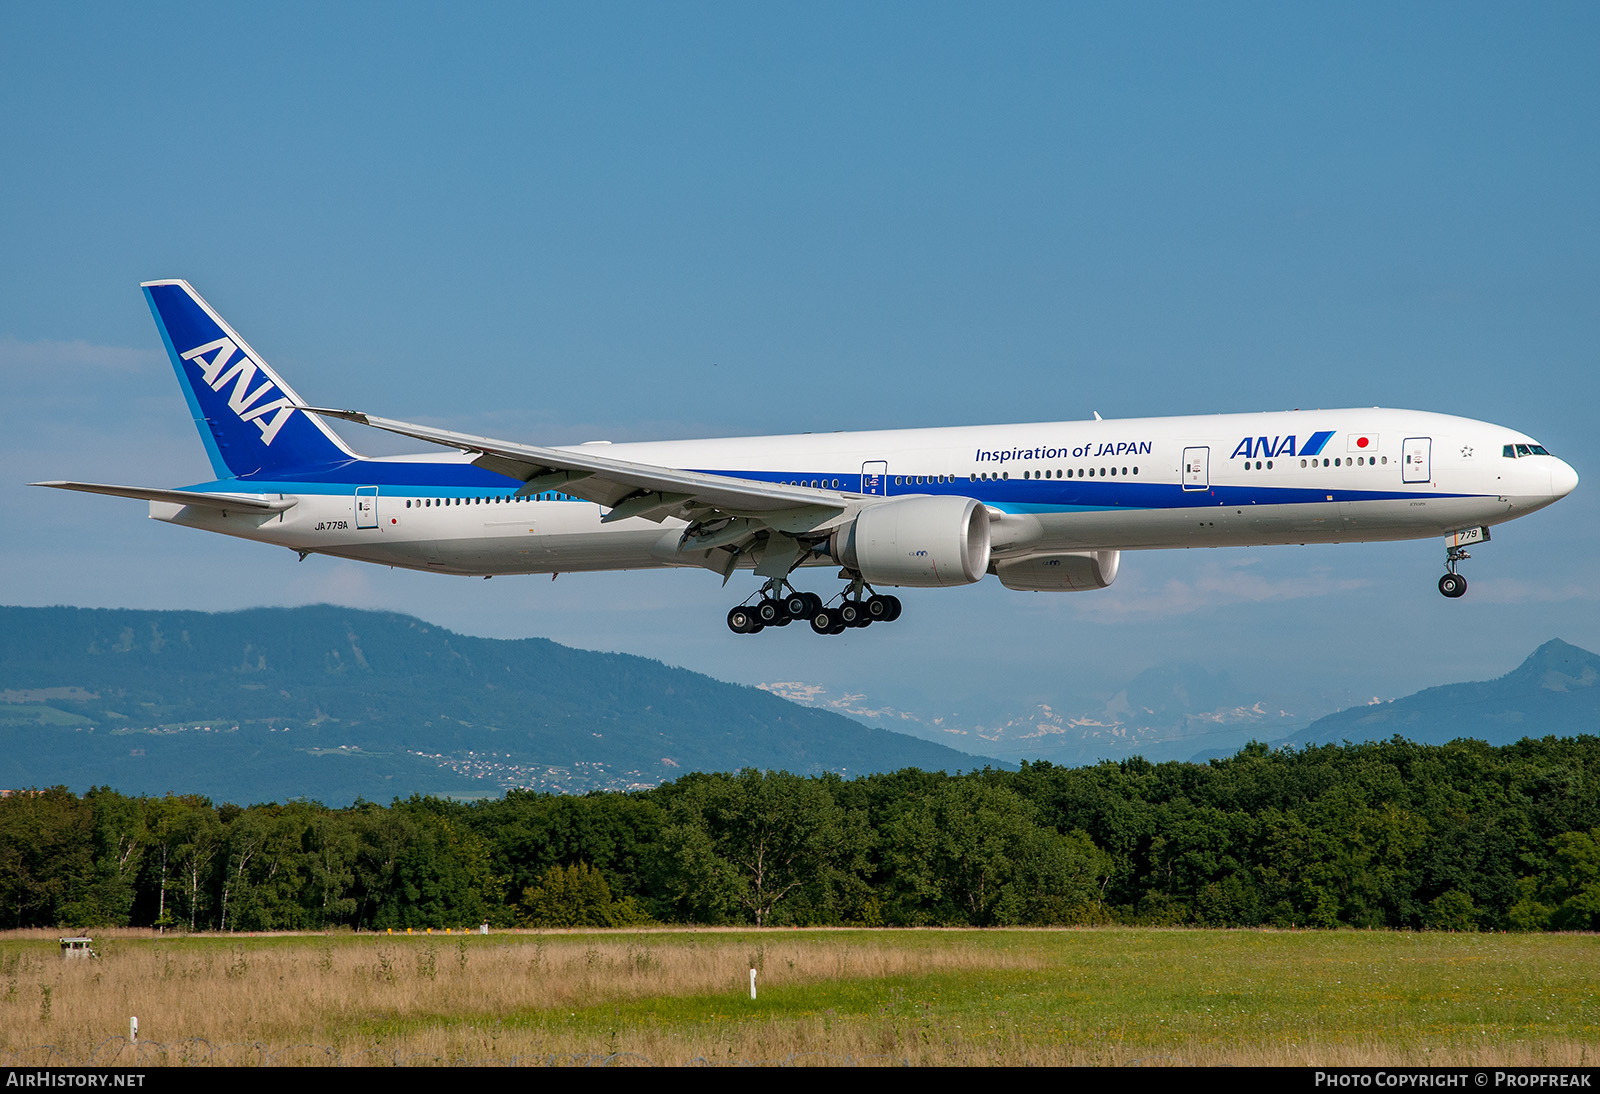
(1165, 712)
(1182, 711)
(337, 703)
(1554, 692)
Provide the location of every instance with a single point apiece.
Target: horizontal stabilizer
(177, 497)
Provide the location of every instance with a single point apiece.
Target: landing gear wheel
(894, 608)
(798, 605)
(824, 621)
(877, 609)
(1453, 585)
(849, 613)
(770, 611)
(742, 620)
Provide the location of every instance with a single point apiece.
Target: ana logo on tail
(247, 404)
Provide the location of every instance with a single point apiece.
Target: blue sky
(557, 223)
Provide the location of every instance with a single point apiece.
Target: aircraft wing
(177, 497)
(637, 489)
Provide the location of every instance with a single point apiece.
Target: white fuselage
(1130, 484)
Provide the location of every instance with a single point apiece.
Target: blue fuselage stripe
(425, 480)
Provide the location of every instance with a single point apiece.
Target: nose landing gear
(1453, 584)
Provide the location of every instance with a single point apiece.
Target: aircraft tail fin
(249, 419)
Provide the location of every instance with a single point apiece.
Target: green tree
(46, 859)
(972, 853)
(1566, 896)
(330, 850)
(577, 896)
(744, 844)
(199, 840)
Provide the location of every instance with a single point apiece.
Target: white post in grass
(752, 983)
(133, 1030)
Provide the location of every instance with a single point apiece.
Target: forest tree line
(1458, 837)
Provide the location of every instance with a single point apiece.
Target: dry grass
(1113, 996)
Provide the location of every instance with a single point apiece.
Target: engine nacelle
(917, 542)
(1070, 571)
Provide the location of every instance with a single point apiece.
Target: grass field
(1097, 996)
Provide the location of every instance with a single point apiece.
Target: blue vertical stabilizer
(247, 416)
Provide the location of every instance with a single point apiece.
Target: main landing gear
(1453, 584)
(778, 604)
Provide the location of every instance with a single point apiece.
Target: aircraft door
(1415, 459)
(875, 477)
(366, 507)
(1197, 468)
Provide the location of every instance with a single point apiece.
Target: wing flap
(692, 495)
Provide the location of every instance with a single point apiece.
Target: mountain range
(1553, 693)
(1187, 712)
(335, 704)
(1166, 712)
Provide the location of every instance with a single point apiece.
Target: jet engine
(923, 542)
(1069, 571)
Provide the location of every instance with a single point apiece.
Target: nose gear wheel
(1453, 584)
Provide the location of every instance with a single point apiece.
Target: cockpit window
(1512, 451)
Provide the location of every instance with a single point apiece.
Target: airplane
(1047, 507)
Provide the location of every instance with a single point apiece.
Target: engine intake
(916, 542)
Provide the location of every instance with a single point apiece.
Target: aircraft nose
(1563, 479)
